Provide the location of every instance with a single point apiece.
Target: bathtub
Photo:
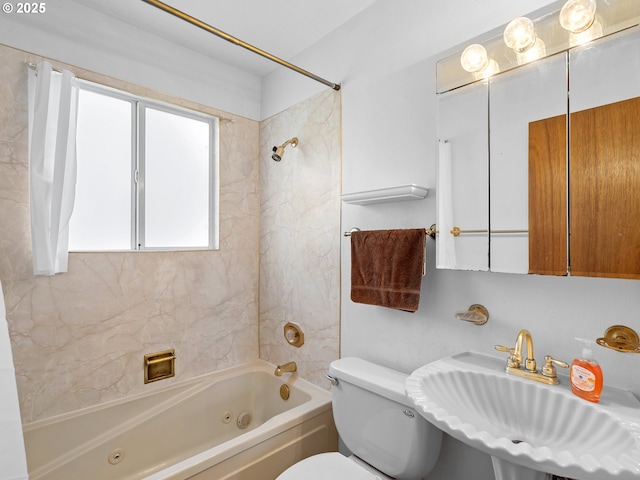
(231, 424)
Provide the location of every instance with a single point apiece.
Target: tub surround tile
(79, 338)
(300, 235)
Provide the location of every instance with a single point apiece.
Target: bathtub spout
(287, 367)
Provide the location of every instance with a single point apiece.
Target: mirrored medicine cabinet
(539, 166)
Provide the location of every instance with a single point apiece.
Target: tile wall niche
(79, 338)
(300, 235)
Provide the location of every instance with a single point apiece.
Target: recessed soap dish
(620, 339)
(476, 313)
(159, 365)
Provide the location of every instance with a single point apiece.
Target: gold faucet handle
(512, 361)
(502, 348)
(550, 364)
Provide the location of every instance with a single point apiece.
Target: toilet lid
(325, 466)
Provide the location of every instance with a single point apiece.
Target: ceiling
(282, 28)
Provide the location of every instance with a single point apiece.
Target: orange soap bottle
(586, 375)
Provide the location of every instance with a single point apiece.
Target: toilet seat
(332, 466)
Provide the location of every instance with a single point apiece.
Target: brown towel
(387, 268)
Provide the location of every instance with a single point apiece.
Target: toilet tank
(376, 421)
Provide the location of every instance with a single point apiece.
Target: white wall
(385, 59)
(111, 47)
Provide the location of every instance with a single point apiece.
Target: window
(147, 175)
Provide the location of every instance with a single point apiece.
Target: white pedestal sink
(529, 428)
(504, 470)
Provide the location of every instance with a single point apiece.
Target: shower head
(279, 151)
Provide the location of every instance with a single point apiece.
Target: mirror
(525, 130)
(517, 98)
(462, 193)
(604, 167)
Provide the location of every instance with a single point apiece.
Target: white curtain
(53, 102)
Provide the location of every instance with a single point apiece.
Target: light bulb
(534, 53)
(491, 69)
(520, 34)
(591, 33)
(577, 15)
(474, 58)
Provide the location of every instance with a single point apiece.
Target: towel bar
(429, 231)
(455, 231)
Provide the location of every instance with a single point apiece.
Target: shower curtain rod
(232, 39)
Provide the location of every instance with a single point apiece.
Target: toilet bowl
(332, 466)
(374, 419)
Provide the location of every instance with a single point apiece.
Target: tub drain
(244, 419)
(116, 456)
(285, 391)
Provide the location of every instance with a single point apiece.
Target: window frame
(139, 106)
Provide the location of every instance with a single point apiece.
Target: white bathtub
(189, 430)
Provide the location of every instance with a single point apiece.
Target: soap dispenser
(586, 375)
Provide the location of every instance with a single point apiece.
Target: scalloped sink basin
(541, 427)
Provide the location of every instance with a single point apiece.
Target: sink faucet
(286, 367)
(530, 362)
(514, 362)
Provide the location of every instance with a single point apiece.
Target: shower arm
(232, 39)
(293, 142)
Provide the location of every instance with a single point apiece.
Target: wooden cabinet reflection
(603, 212)
(548, 196)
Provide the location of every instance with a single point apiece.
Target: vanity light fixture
(577, 16)
(534, 53)
(474, 59)
(591, 33)
(520, 36)
(491, 69)
(563, 24)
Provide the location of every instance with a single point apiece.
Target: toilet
(387, 437)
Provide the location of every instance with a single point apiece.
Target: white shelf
(401, 193)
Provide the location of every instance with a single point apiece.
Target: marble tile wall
(300, 235)
(79, 338)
